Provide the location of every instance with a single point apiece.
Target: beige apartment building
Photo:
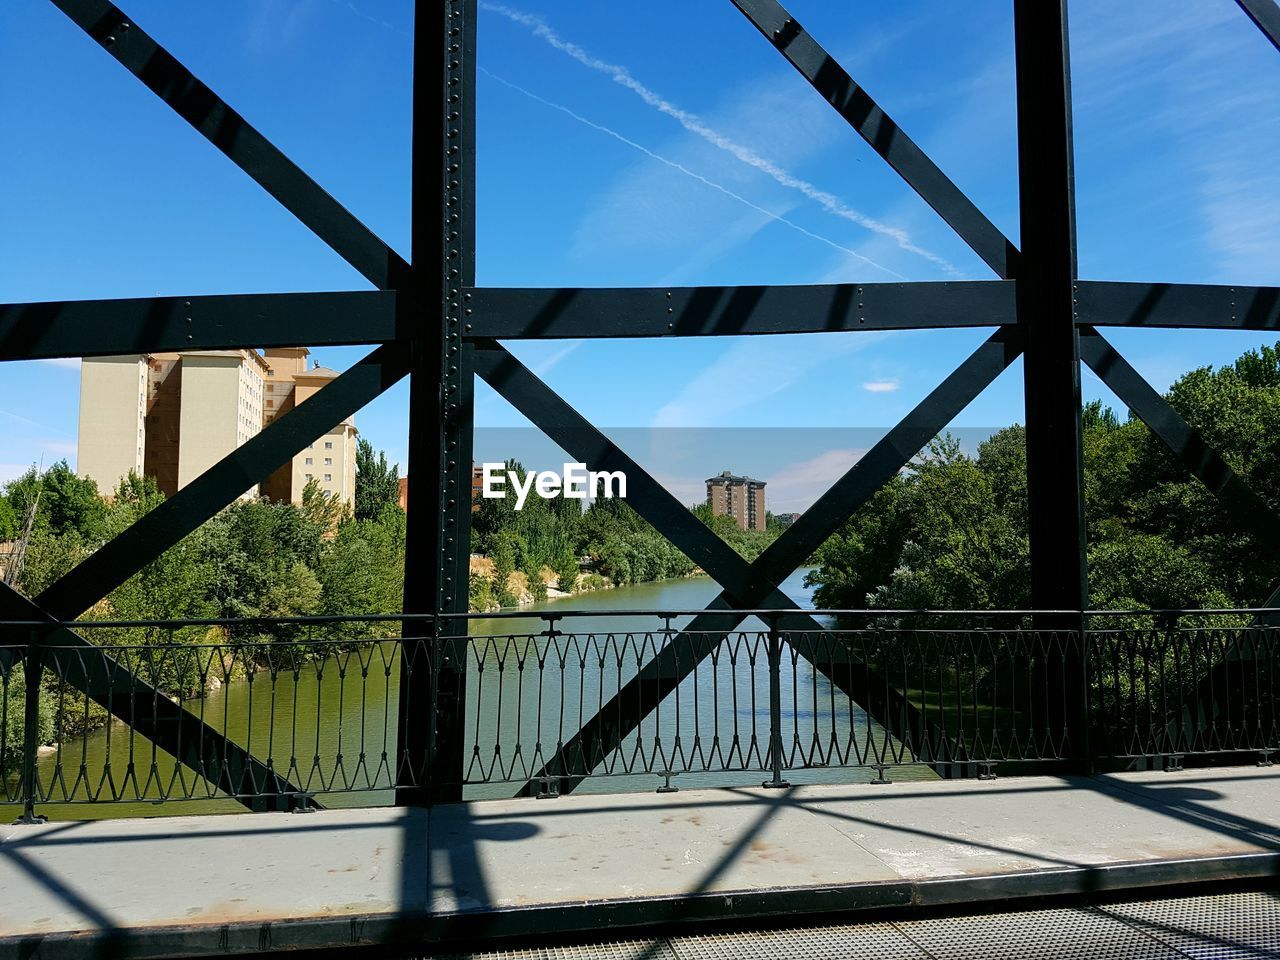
(220, 408)
(740, 497)
(196, 407)
(331, 460)
(113, 414)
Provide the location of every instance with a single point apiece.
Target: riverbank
(519, 586)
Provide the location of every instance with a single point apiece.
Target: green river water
(329, 728)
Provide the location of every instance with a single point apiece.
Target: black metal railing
(300, 710)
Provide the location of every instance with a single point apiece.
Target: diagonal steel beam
(148, 537)
(94, 328)
(884, 136)
(171, 727)
(1183, 440)
(1266, 16)
(813, 527)
(738, 578)
(253, 153)
(604, 731)
(1176, 305)
(531, 312)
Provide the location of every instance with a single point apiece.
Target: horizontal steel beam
(535, 313)
(95, 328)
(1178, 305)
(253, 153)
(885, 137)
(83, 328)
(151, 535)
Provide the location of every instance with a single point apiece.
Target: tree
(566, 570)
(325, 510)
(67, 502)
(377, 483)
(10, 526)
(504, 564)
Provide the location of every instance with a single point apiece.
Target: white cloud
(881, 386)
(795, 488)
(716, 137)
(66, 363)
(725, 239)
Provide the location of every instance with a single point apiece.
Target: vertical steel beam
(1055, 469)
(454, 561)
(437, 547)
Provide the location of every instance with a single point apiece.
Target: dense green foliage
(253, 559)
(377, 483)
(557, 534)
(951, 532)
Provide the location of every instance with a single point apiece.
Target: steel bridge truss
(432, 324)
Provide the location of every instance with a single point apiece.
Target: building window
(328, 478)
(328, 444)
(308, 461)
(308, 476)
(328, 461)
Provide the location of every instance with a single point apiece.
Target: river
(330, 725)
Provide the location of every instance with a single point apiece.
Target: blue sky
(653, 144)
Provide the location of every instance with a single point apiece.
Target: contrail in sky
(622, 76)
(689, 173)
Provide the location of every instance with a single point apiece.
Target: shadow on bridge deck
(517, 868)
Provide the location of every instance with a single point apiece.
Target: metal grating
(659, 949)
(865, 941)
(1241, 925)
(1236, 926)
(1060, 934)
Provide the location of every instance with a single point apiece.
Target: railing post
(32, 670)
(775, 706)
(1087, 747)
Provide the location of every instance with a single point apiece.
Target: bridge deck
(516, 868)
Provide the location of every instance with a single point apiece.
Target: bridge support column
(438, 535)
(1046, 277)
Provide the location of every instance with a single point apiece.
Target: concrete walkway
(216, 885)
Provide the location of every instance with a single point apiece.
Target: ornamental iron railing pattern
(918, 695)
